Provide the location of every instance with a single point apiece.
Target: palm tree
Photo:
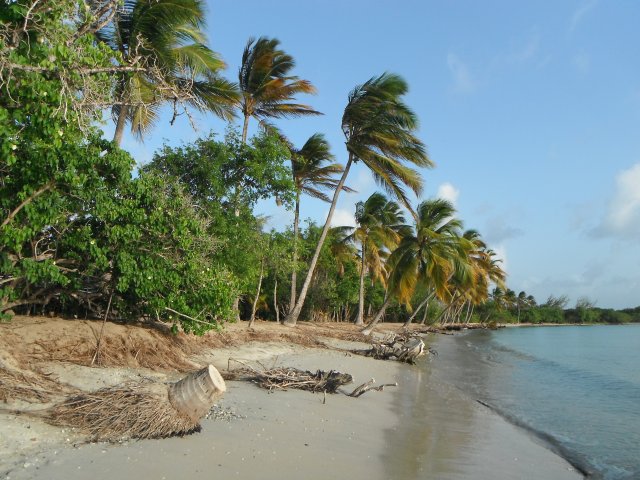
(427, 256)
(379, 130)
(312, 173)
(267, 88)
(380, 224)
(163, 42)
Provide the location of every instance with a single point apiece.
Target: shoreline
(423, 426)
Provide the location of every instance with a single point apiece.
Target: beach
(423, 428)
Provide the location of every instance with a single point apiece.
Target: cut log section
(196, 393)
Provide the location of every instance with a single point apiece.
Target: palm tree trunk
(292, 317)
(369, 328)
(426, 314)
(360, 318)
(294, 273)
(424, 302)
(245, 128)
(120, 124)
(255, 300)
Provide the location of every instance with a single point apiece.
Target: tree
(312, 173)
(427, 256)
(379, 131)
(380, 224)
(560, 301)
(164, 41)
(226, 178)
(266, 86)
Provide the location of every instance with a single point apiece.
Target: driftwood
(365, 387)
(289, 377)
(403, 348)
(142, 410)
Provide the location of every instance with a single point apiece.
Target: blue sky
(530, 110)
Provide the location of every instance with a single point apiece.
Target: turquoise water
(577, 388)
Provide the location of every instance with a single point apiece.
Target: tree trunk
(294, 273)
(360, 317)
(369, 328)
(255, 300)
(245, 128)
(426, 314)
(236, 308)
(292, 317)
(424, 302)
(275, 299)
(120, 124)
(196, 393)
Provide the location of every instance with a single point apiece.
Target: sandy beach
(424, 428)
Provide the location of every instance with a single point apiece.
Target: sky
(530, 111)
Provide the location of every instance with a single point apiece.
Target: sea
(576, 388)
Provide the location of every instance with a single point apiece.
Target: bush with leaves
(76, 231)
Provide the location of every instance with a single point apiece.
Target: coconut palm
(313, 172)
(428, 256)
(163, 42)
(267, 88)
(380, 224)
(379, 130)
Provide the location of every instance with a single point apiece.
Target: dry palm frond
(123, 412)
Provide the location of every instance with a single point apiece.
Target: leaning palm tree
(163, 43)
(380, 224)
(313, 172)
(379, 130)
(428, 256)
(267, 88)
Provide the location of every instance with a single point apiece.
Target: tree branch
(47, 186)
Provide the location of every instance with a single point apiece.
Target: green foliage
(229, 173)
(75, 227)
(226, 179)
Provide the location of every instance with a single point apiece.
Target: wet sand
(424, 428)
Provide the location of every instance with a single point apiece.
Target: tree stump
(196, 393)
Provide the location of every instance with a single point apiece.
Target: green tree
(266, 85)
(380, 224)
(163, 45)
(427, 256)
(226, 178)
(312, 173)
(379, 131)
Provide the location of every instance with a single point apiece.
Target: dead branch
(289, 377)
(367, 386)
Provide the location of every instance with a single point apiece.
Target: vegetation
(180, 241)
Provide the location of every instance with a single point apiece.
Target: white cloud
(580, 13)
(623, 216)
(462, 81)
(343, 218)
(447, 191)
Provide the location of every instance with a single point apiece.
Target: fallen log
(141, 410)
(403, 348)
